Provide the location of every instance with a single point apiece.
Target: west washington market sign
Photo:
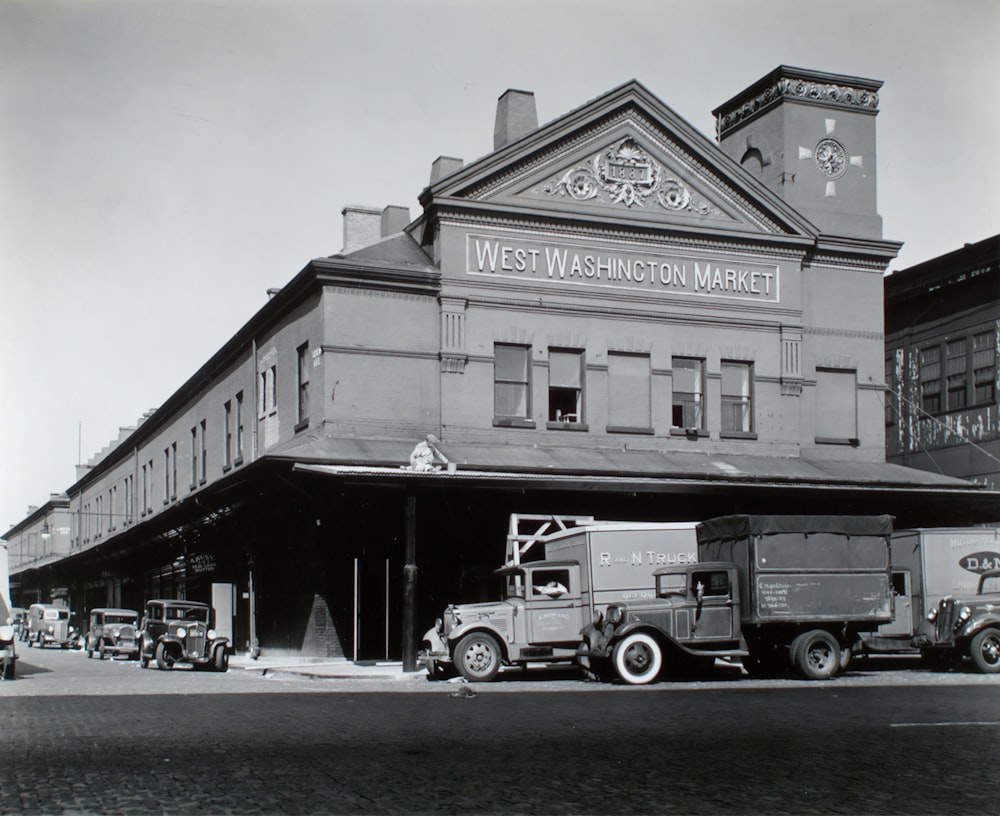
(674, 273)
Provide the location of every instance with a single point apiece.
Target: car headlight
(211, 634)
(50, 629)
(963, 615)
(932, 615)
(181, 632)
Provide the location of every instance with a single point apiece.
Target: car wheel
(638, 659)
(164, 660)
(816, 654)
(221, 660)
(143, 660)
(985, 651)
(477, 657)
(100, 650)
(8, 667)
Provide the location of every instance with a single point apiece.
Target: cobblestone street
(418, 747)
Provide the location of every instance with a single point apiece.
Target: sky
(164, 162)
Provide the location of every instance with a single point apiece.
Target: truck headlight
(181, 632)
(932, 615)
(616, 614)
(963, 615)
(211, 634)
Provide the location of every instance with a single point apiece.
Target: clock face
(831, 158)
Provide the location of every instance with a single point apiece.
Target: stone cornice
(798, 85)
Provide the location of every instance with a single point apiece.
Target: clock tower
(810, 137)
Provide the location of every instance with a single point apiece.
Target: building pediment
(623, 156)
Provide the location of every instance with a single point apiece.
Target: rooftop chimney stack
(516, 117)
(444, 166)
(362, 227)
(394, 219)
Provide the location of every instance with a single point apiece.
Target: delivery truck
(559, 572)
(928, 565)
(775, 592)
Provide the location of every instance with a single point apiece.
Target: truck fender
(992, 621)
(435, 644)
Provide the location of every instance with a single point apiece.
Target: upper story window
(737, 397)
(629, 405)
(267, 402)
(227, 433)
(836, 406)
(194, 456)
(303, 384)
(204, 453)
(930, 379)
(565, 386)
(688, 393)
(958, 373)
(984, 368)
(511, 383)
(239, 427)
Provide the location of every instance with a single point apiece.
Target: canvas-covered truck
(559, 571)
(928, 565)
(775, 592)
(8, 633)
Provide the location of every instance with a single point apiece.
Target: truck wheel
(101, 652)
(638, 659)
(164, 660)
(221, 661)
(477, 657)
(985, 651)
(8, 667)
(816, 654)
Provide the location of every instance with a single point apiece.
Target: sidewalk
(324, 668)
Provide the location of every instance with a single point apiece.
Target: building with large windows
(609, 314)
(942, 342)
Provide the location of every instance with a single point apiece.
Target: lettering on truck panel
(649, 558)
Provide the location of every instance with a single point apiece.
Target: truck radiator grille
(945, 622)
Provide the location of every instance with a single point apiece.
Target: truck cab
(964, 627)
(539, 620)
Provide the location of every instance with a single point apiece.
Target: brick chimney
(394, 219)
(362, 227)
(516, 117)
(444, 166)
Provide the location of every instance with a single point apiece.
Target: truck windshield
(991, 583)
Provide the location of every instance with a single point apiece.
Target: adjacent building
(609, 314)
(942, 344)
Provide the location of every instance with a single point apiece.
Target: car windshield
(56, 614)
(108, 618)
(187, 613)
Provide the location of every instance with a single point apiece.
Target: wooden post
(410, 586)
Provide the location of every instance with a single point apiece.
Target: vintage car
(113, 632)
(181, 632)
(964, 627)
(49, 623)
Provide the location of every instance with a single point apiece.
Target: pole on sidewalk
(410, 586)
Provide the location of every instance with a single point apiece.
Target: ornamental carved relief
(626, 174)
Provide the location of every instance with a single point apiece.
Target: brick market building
(609, 314)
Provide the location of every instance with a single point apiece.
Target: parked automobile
(966, 626)
(181, 632)
(113, 632)
(49, 623)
